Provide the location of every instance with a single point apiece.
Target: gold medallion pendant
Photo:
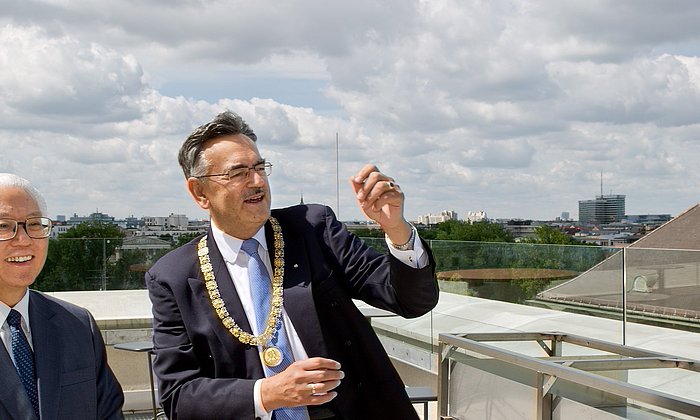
(271, 356)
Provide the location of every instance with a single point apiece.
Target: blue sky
(511, 107)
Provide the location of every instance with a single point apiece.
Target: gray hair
(225, 124)
(13, 181)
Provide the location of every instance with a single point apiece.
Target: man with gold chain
(256, 319)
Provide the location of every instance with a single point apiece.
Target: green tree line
(85, 258)
(463, 245)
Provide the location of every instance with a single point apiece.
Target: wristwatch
(408, 245)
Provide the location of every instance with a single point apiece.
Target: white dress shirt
(23, 308)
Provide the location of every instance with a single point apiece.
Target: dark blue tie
(261, 292)
(24, 358)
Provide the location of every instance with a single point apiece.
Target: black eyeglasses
(36, 228)
(241, 173)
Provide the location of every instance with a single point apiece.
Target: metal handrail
(573, 370)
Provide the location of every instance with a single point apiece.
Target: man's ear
(196, 189)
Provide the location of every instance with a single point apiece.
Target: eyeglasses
(241, 173)
(36, 228)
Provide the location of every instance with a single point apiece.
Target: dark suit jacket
(206, 373)
(73, 379)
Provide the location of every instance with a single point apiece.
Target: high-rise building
(603, 209)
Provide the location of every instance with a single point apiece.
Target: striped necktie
(24, 358)
(261, 292)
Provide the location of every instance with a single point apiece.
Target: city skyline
(513, 107)
(464, 216)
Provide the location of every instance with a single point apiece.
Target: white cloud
(64, 80)
(513, 107)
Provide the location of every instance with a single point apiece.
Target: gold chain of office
(275, 301)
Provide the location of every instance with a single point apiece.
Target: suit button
(334, 304)
(348, 343)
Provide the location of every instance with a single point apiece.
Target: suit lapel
(12, 395)
(298, 297)
(47, 354)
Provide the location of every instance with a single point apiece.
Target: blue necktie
(24, 358)
(261, 292)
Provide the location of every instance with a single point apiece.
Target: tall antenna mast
(337, 179)
(601, 183)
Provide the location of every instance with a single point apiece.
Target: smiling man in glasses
(256, 319)
(53, 365)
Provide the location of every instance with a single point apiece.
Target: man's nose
(21, 234)
(256, 178)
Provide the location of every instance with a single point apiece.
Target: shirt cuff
(416, 257)
(260, 412)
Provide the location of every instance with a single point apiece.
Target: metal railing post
(443, 378)
(624, 296)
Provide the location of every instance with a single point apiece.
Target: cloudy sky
(511, 107)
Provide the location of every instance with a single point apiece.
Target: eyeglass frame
(266, 169)
(24, 225)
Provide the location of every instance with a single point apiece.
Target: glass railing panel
(510, 272)
(596, 292)
(663, 289)
(83, 264)
(477, 393)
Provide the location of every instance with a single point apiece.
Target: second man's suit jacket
(205, 373)
(73, 378)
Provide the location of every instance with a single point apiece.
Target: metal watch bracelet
(409, 243)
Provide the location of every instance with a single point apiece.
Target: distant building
(361, 224)
(148, 244)
(59, 227)
(565, 216)
(519, 228)
(172, 222)
(94, 217)
(611, 240)
(177, 221)
(603, 209)
(647, 219)
(174, 225)
(476, 216)
(430, 219)
(130, 222)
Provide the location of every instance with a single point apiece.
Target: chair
(147, 347)
(421, 395)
